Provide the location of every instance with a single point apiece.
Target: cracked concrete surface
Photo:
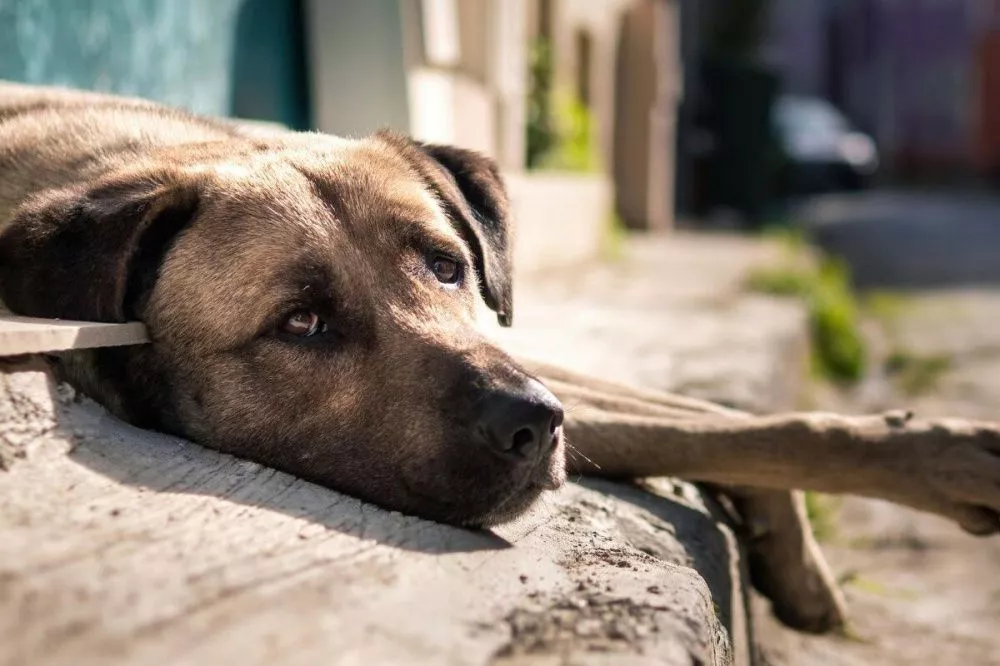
(124, 546)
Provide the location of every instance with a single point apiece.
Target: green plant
(792, 239)
(839, 351)
(613, 238)
(874, 587)
(836, 324)
(541, 129)
(916, 374)
(886, 306)
(781, 282)
(574, 148)
(822, 513)
(560, 127)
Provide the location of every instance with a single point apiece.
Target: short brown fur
(238, 231)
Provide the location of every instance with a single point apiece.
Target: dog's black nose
(522, 423)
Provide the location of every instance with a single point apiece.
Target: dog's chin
(549, 476)
(489, 507)
(512, 509)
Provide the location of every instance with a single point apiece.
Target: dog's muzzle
(523, 424)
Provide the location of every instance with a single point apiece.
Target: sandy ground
(920, 590)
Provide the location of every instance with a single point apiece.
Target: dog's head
(311, 303)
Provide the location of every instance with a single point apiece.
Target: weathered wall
(561, 220)
(224, 57)
(358, 56)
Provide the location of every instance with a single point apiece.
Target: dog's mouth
(520, 494)
(548, 473)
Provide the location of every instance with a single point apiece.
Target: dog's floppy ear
(92, 253)
(471, 187)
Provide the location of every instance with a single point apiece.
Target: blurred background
(668, 113)
(774, 204)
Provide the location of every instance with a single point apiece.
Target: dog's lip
(547, 473)
(552, 467)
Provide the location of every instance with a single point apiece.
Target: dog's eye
(446, 270)
(304, 324)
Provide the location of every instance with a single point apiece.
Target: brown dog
(310, 303)
(311, 299)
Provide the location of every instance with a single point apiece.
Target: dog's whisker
(573, 455)
(570, 447)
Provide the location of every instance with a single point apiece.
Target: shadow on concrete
(166, 464)
(163, 467)
(909, 240)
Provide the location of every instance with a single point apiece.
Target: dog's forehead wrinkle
(251, 205)
(370, 183)
(256, 272)
(437, 324)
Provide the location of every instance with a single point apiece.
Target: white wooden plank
(29, 335)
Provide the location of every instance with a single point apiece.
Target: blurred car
(821, 150)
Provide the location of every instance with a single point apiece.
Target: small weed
(885, 306)
(915, 374)
(849, 633)
(613, 239)
(839, 350)
(822, 512)
(781, 282)
(792, 238)
(836, 325)
(874, 587)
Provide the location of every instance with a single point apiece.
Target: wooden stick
(28, 335)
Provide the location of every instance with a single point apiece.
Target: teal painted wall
(220, 57)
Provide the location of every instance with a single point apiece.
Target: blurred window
(442, 47)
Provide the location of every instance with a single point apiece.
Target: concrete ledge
(560, 219)
(123, 546)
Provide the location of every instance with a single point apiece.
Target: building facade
(447, 71)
